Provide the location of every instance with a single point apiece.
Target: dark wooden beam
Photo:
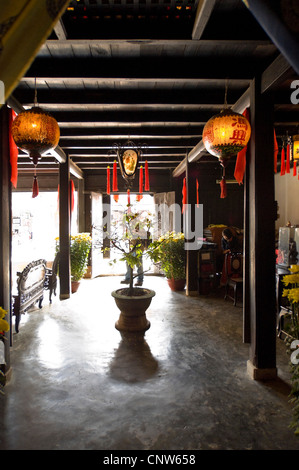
(203, 13)
(64, 230)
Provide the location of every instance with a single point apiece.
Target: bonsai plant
(132, 301)
(169, 252)
(80, 246)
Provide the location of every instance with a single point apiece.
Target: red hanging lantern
(226, 134)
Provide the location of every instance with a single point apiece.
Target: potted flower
(169, 252)
(4, 327)
(291, 328)
(129, 239)
(80, 246)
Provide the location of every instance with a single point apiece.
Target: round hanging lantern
(35, 131)
(296, 147)
(226, 134)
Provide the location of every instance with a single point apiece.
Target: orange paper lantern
(226, 134)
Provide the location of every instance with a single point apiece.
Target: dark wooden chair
(30, 289)
(51, 278)
(234, 275)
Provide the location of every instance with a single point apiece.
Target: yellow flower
(2, 312)
(291, 279)
(4, 325)
(294, 268)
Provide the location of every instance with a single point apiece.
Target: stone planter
(132, 309)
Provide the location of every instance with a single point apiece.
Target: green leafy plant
(80, 246)
(292, 339)
(169, 252)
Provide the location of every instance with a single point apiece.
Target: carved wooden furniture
(234, 275)
(51, 277)
(30, 289)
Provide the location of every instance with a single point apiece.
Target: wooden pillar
(64, 229)
(261, 219)
(81, 206)
(5, 232)
(246, 255)
(191, 255)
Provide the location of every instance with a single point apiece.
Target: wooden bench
(30, 289)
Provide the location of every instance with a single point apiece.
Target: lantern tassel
(275, 152)
(140, 183)
(108, 180)
(223, 188)
(282, 168)
(184, 193)
(288, 159)
(129, 198)
(294, 168)
(114, 184)
(146, 177)
(35, 190)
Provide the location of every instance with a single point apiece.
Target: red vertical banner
(114, 182)
(241, 157)
(282, 167)
(72, 195)
(197, 192)
(184, 193)
(140, 182)
(108, 180)
(13, 151)
(146, 177)
(288, 159)
(275, 152)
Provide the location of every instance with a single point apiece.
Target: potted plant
(169, 252)
(80, 246)
(4, 327)
(129, 241)
(291, 328)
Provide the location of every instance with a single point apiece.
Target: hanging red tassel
(184, 192)
(108, 180)
(223, 188)
(283, 164)
(35, 189)
(241, 158)
(129, 199)
(146, 177)
(14, 153)
(116, 197)
(275, 152)
(197, 192)
(114, 183)
(288, 159)
(72, 195)
(294, 168)
(140, 183)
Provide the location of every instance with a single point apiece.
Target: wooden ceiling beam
(203, 13)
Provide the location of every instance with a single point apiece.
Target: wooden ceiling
(152, 71)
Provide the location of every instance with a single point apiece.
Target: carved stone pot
(132, 309)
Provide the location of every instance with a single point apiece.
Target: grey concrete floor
(78, 384)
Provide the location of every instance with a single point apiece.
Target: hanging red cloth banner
(108, 180)
(275, 152)
(72, 195)
(282, 167)
(294, 168)
(241, 157)
(184, 193)
(197, 193)
(13, 151)
(35, 189)
(146, 177)
(288, 159)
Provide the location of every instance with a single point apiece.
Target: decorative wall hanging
(36, 132)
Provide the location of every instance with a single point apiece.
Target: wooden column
(64, 229)
(5, 232)
(261, 220)
(81, 206)
(191, 255)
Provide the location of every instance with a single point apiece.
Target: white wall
(287, 196)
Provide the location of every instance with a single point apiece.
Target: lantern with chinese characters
(296, 147)
(226, 134)
(36, 132)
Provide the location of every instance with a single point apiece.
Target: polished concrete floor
(78, 384)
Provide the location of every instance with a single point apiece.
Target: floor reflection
(133, 360)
